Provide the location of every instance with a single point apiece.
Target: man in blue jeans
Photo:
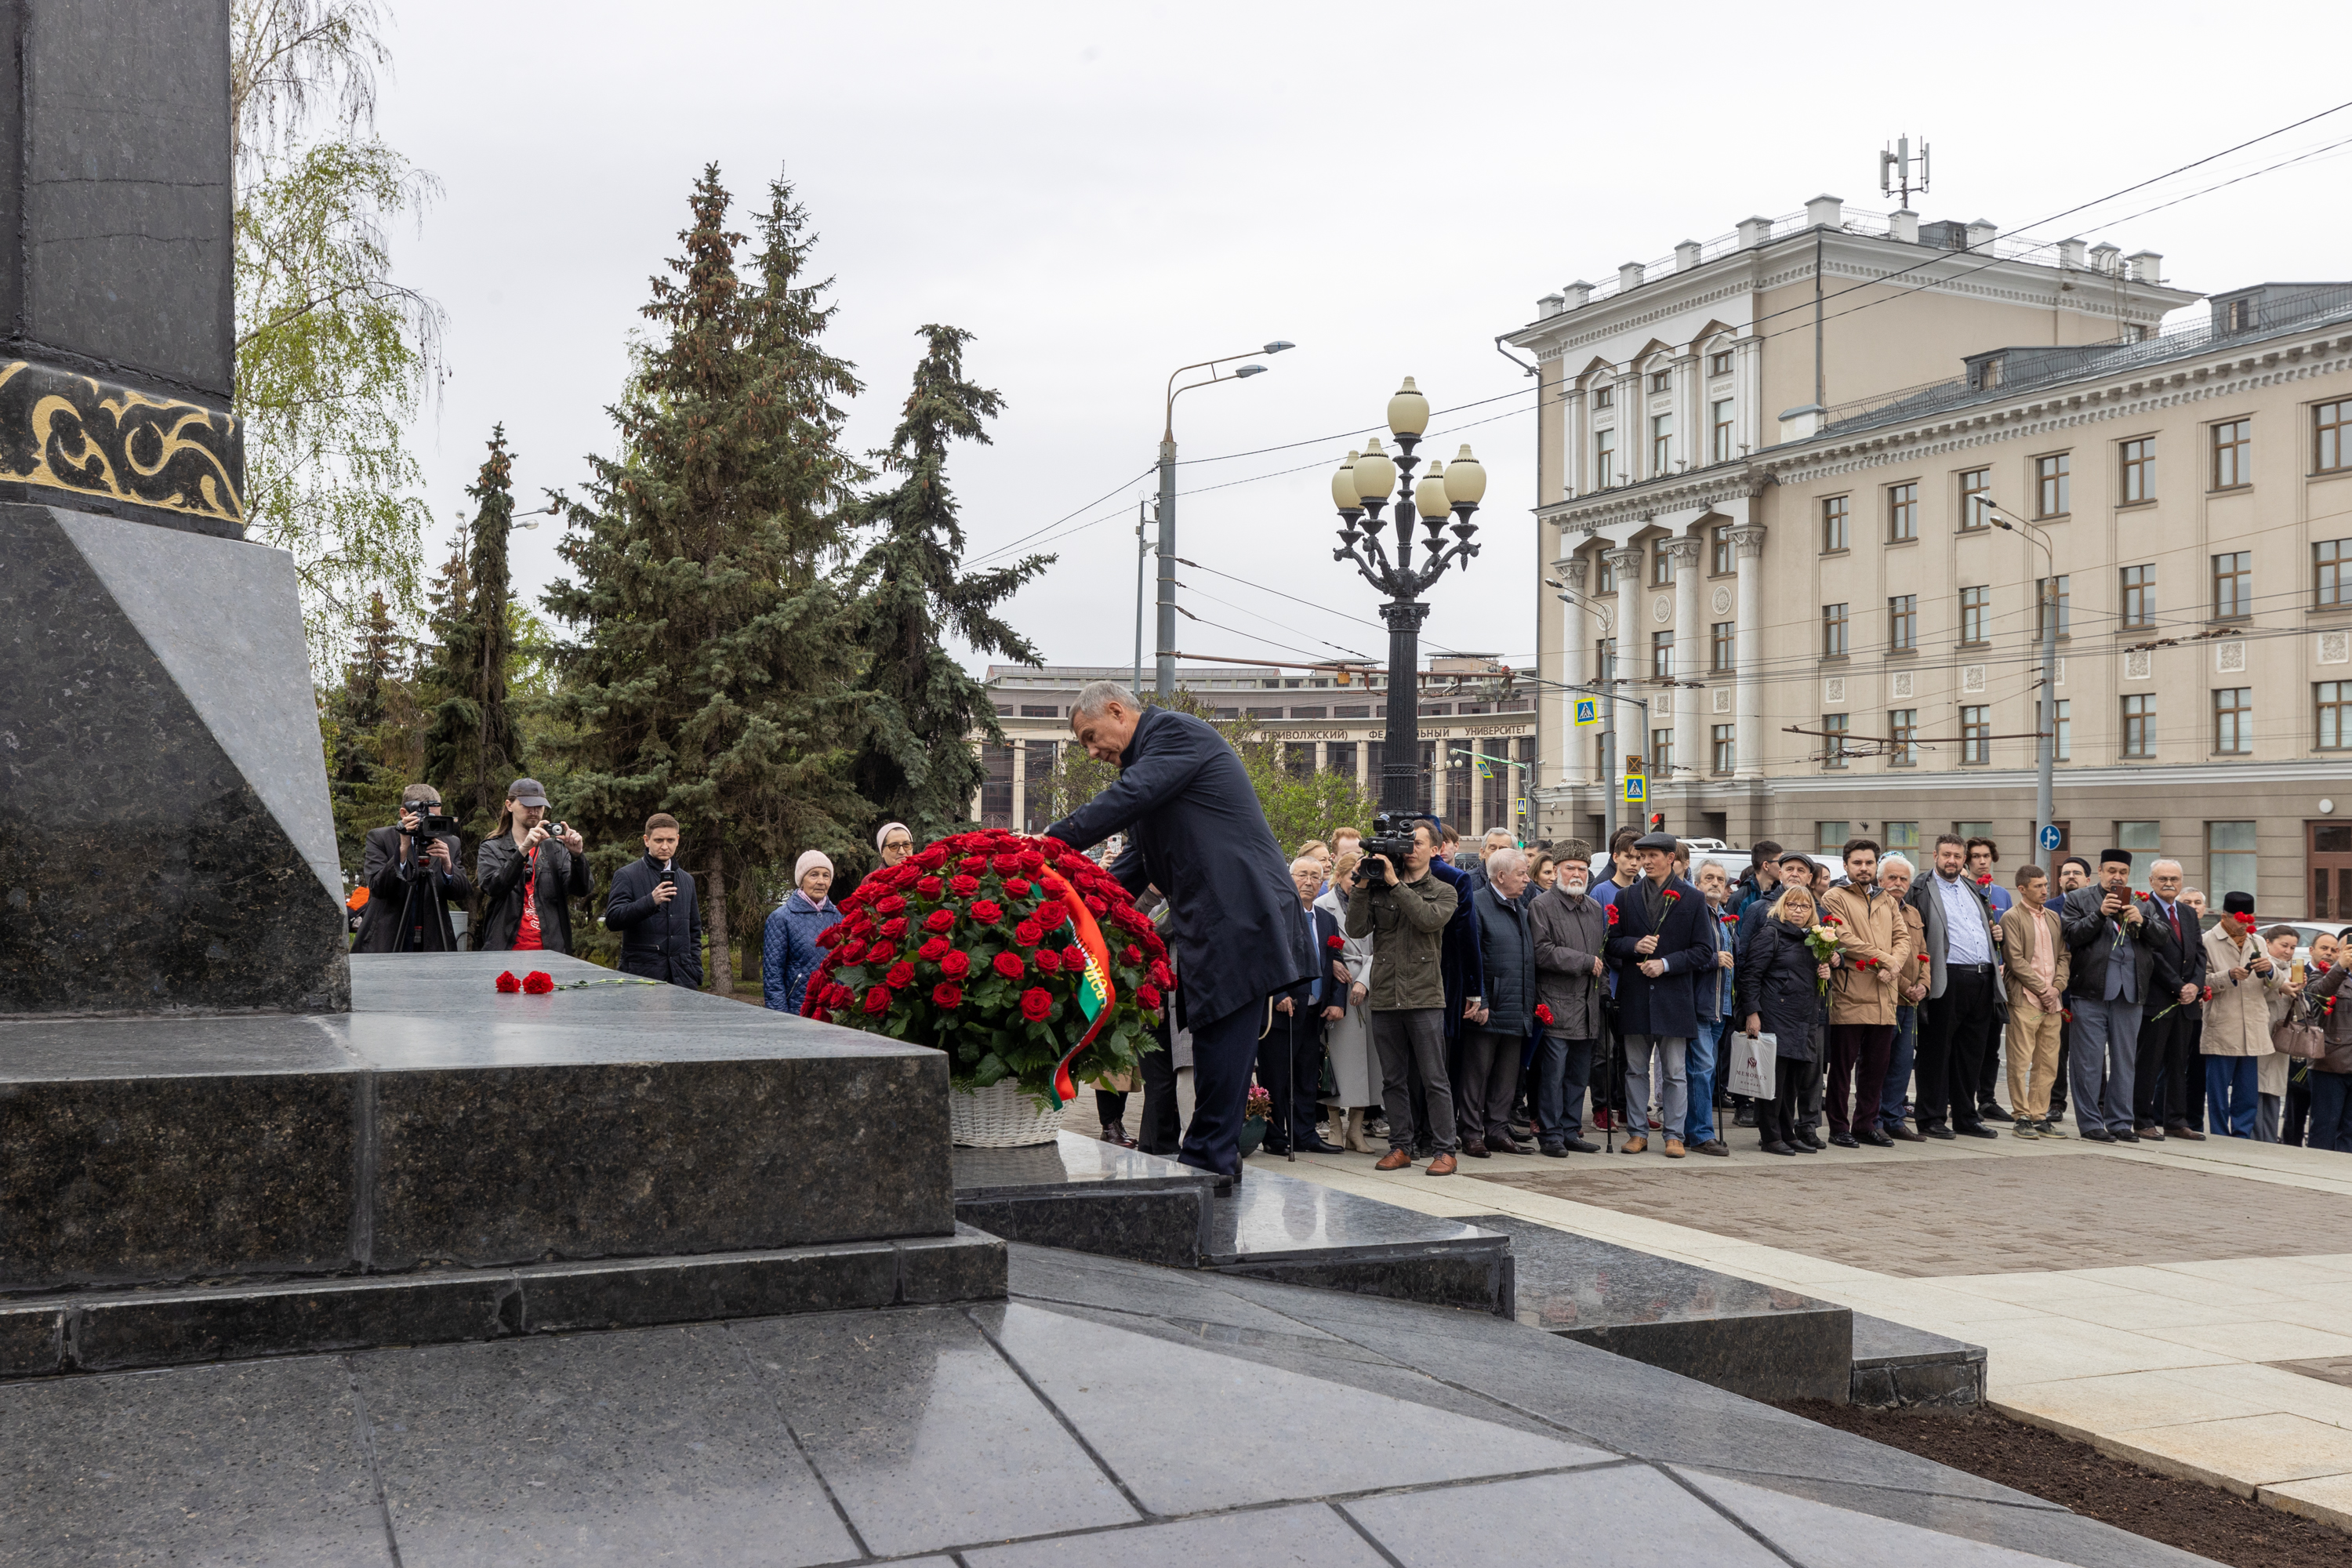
(1714, 1005)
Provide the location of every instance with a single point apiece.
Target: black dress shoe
(1555, 1150)
(1975, 1130)
(1747, 1117)
(1937, 1131)
(1779, 1149)
(1807, 1142)
(2098, 1134)
(2127, 1136)
(1579, 1146)
(1877, 1140)
(1844, 1141)
(1988, 1111)
(1317, 1146)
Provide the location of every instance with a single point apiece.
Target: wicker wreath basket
(999, 1117)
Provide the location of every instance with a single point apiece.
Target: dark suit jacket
(1666, 1006)
(2093, 939)
(1195, 831)
(2171, 968)
(659, 942)
(1326, 927)
(388, 886)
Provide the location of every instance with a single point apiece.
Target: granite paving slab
(1272, 1226)
(894, 1411)
(1308, 1535)
(1819, 1536)
(1629, 1516)
(656, 1444)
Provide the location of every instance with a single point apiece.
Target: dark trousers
(2159, 1084)
(1563, 1069)
(1858, 1057)
(2298, 1120)
(1952, 1032)
(2058, 1089)
(2331, 1110)
(1290, 1070)
(1222, 1050)
(1989, 1068)
(1163, 1127)
(1406, 1039)
(1776, 1118)
(2192, 1099)
(1110, 1106)
(1489, 1082)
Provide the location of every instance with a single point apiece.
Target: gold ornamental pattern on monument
(92, 437)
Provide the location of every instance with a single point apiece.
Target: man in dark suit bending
(1195, 832)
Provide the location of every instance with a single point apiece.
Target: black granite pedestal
(1086, 1195)
(445, 1162)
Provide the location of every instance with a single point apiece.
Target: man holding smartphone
(653, 906)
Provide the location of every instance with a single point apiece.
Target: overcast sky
(1104, 192)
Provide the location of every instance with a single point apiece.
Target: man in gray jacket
(1499, 1031)
(2107, 990)
(1570, 930)
(1403, 909)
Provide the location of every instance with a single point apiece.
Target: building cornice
(1589, 514)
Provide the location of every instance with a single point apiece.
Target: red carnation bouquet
(1017, 956)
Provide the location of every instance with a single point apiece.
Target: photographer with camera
(652, 905)
(528, 873)
(1396, 902)
(411, 873)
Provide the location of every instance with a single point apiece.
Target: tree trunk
(714, 891)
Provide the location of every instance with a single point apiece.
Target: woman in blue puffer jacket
(790, 954)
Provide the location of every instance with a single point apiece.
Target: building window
(1604, 458)
(2042, 596)
(2139, 726)
(1723, 430)
(1976, 494)
(2331, 437)
(2331, 573)
(1719, 363)
(996, 787)
(1605, 659)
(2051, 483)
(1834, 726)
(1604, 573)
(1718, 544)
(1903, 728)
(1662, 566)
(1297, 761)
(2138, 475)
(1662, 380)
(1662, 442)
(2233, 722)
(1339, 757)
(1902, 514)
(2146, 842)
(1037, 813)
(1662, 752)
(1833, 534)
(1903, 623)
(1604, 396)
(1829, 838)
(1726, 750)
(2234, 585)
(2140, 595)
(1903, 836)
(1723, 642)
(2233, 454)
(1976, 734)
(1661, 655)
(1834, 631)
(2062, 742)
(1976, 613)
(2333, 700)
(2230, 860)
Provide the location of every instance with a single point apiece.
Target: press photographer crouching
(528, 873)
(412, 873)
(653, 906)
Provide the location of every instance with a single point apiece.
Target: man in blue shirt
(1963, 981)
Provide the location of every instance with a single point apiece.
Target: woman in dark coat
(1780, 994)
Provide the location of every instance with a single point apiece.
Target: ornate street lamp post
(1365, 483)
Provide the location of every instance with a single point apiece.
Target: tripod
(422, 881)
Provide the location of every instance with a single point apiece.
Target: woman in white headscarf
(788, 954)
(895, 841)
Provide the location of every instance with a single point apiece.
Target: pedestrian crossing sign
(1588, 713)
(1637, 790)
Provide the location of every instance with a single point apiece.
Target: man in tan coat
(2037, 971)
(1874, 944)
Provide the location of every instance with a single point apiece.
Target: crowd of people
(1498, 999)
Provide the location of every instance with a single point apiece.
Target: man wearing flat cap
(1658, 942)
(2107, 991)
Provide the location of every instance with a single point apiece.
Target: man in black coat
(1290, 1058)
(1194, 830)
(419, 890)
(1658, 941)
(653, 906)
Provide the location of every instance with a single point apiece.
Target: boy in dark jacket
(653, 906)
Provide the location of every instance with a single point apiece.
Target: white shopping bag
(1752, 1062)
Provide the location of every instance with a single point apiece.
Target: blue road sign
(2050, 836)
(1588, 713)
(1637, 790)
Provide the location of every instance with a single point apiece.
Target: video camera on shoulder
(1392, 835)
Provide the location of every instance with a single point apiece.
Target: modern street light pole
(2046, 745)
(1142, 548)
(1365, 483)
(1164, 685)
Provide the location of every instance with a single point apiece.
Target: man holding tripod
(411, 872)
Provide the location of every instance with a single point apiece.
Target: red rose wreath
(1019, 957)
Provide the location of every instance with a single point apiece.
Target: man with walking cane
(1290, 1057)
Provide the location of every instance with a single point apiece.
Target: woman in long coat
(1780, 994)
(1355, 1072)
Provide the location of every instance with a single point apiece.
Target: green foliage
(374, 733)
(473, 749)
(712, 673)
(333, 360)
(915, 697)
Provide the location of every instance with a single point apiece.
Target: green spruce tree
(361, 721)
(712, 671)
(472, 749)
(919, 706)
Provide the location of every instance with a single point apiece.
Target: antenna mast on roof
(1896, 168)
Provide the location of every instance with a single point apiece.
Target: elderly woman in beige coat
(2245, 979)
(1355, 1071)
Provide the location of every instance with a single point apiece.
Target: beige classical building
(1777, 522)
(1483, 722)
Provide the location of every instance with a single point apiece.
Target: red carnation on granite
(947, 993)
(901, 976)
(1009, 965)
(987, 912)
(956, 964)
(1048, 961)
(508, 984)
(932, 950)
(939, 919)
(538, 982)
(1036, 1004)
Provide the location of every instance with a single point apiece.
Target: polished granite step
(1896, 1366)
(1086, 1195)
